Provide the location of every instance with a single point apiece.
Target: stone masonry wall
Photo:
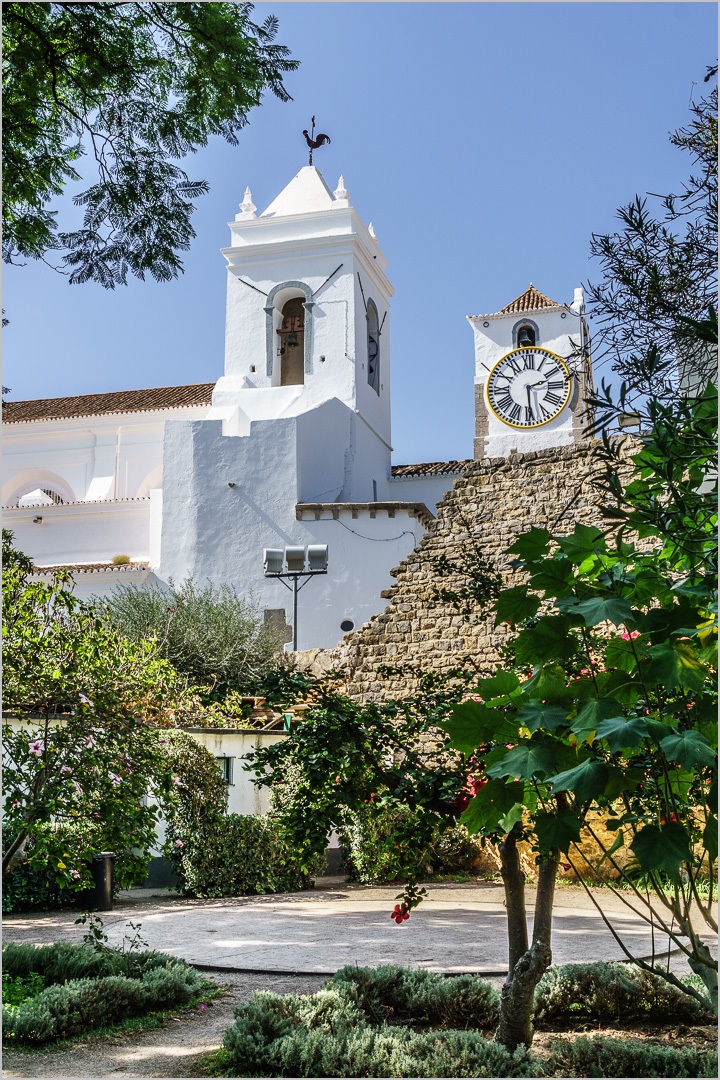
(493, 502)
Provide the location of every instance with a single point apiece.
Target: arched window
(373, 347)
(291, 347)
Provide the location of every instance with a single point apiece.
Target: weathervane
(314, 142)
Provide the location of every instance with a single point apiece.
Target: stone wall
(488, 507)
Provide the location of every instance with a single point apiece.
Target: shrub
(380, 844)
(71, 1008)
(613, 1057)
(64, 962)
(208, 633)
(325, 1035)
(236, 855)
(607, 992)
(390, 993)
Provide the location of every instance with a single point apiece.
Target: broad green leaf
(503, 684)
(586, 781)
(516, 605)
(585, 541)
(525, 761)
(549, 639)
(538, 715)
(486, 809)
(531, 545)
(662, 848)
(557, 830)
(674, 665)
(548, 682)
(553, 576)
(592, 713)
(624, 654)
(622, 734)
(512, 817)
(710, 837)
(596, 609)
(623, 687)
(688, 748)
(471, 724)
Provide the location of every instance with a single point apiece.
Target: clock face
(528, 387)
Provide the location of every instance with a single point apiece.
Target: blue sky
(485, 141)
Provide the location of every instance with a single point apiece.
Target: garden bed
(400, 1022)
(63, 990)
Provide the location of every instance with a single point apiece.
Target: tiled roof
(119, 401)
(431, 468)
(530, 300)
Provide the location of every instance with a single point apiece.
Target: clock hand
(529, 406)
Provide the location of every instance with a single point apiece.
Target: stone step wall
(488, 507)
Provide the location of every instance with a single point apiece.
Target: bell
(526, 337)
(292, 339)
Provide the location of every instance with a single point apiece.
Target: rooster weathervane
(314, 141)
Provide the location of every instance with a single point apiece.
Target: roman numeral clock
(532, 375)
(528, 387)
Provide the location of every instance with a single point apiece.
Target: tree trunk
(526, 965)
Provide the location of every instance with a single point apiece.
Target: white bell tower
(532, 375)
(307, 322)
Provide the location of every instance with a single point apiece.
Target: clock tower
(532, 375)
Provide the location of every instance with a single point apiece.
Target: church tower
(307, 307)
(532, 375)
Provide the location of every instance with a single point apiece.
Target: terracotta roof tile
(431, 468)
(119, 401)
(530, 300)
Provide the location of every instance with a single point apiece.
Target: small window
(347, 625)
(373, 347)
(226, 768)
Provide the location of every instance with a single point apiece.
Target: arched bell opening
(288, 312)
(291, 343)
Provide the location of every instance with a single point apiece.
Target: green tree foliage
(612, 704)
(210, 634)
(656, 301)
(343, 762)
(79, 753)
(136, 87)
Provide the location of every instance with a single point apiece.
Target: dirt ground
(178, 1048)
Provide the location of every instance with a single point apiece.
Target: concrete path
(458, 928)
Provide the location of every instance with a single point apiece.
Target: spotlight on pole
(301, 563)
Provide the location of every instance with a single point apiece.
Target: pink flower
(176, 779)
(179, 844)
(66, 769)
(37, 748)
(75, 874)
(90, 741)
(629, 637)
(114, 779)
(202, 1006)
(86, 701)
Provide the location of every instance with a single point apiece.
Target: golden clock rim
(528, 348)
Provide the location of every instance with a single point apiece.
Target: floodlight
(273, 560)
(295, 559)
(317, 557)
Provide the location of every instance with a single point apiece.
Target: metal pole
(295, 592)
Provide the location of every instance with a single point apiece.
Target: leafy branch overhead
(135, 88)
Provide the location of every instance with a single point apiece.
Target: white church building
(292, 446)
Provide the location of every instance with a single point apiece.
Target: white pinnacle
(247, 206)
(340, 191)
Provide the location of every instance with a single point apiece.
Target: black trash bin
(100, 897)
